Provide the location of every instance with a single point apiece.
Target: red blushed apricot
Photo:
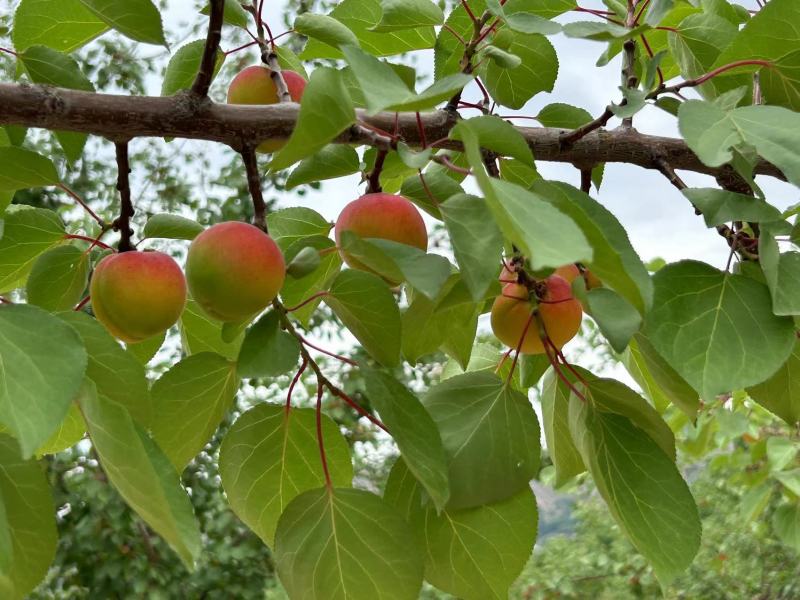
(559, 316)
(234, 270)
(382, 216)
(137, 295)
(254, 85)
(571, 272)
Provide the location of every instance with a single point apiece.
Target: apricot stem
(321, 442)
(82, 303)
(519, 345)
(425, 187)
(295, 379)
(503, 360)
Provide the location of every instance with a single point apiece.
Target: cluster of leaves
(457, 509)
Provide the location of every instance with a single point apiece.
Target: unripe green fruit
(254, 85)
(234, 270)
(137, 295)
(382, 216)
(559, 316)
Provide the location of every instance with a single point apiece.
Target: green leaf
(360, 16)
(449, 50)
(305, 262)
(715, 329)
(475, 553)
(781, 271)
(69, 432)
(43, 362)
(70, 25)
(780, 394)
(58, 278)
(499, 136)
(50, 67)
(537, 72)
(190, 400)
(477, 241)
(484, 357)
(325, 111)
(136, 19)
(641, 486)
(172, 227)
(332, 161)
(697, 42)
(501, 58)
(713, 133)
(20, 168)
(755, 501)
(412, 159)
(721, 206)
(367, 308)
(234, 14)
(349, 544)
(142, 474)
(270, 456)
(563, 116)
(657, 11)
(413, 430)
(267, 350)
(524, 20)
(296, 291)
(555, 420)
(617, 318)
(289, 61)
(786, 524)
(602, 31)
(200, 333)
(408, 14)
(146, 350)
(780, 452)
(183, 66)
(790, 480)
(490, 434)
(438, 187)
(28, 536)
(288, 225)
(27, 233)
(325, 29)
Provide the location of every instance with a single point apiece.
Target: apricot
(571, 271)
(254, 85)
(137, 295)
(559, 315)
(234, 270)
(383, 216)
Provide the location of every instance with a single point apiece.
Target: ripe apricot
(254, 85)
(234, 270)
(559, 315)
(137, 295)
(382, 216)
(571, 271)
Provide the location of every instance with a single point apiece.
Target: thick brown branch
(124, 117)
(206, 72)
(126, 211)
(254, 185)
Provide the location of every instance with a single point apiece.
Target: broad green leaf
(641, 486)
(697, 42)
(270, 456)
(780, 452)
(27, 233)
(20, 168)
(408, 14)
(484, 357)
(602, 31)
(172, 227)
(459, 334)
(289, 61)
(348, 544)
(296, 291)
(617, 318)
(781, 271)
(475, 553)
(555, 421)
(325, 29)
(713, 133)
(267, 350)
(449, 50)
(69, 25)
(721, 206)
(437, 188)
(305, 262)
(501, 58)
(28, 536)
(360, 16)
(780, 394)
(715, 329)
(58, 278)
(364, 304)
(515, 171)
(325, 111)
(69, 432)
(563, 116)
(6, 196)
(524, 20)
(332, 161)
(499, 136)
(139, 20)
(755, 501)
(189, 402)
(490, 434)
(413, 159)
(477, 241)
(233, 14)
(786, 524)
(790, 480)
(43, 362)
(657, 10)
(200, 333)
(413, 430)
(115, 372)
(288, 225)
(183, 66)
(142, 474)
(537, 73)
(49, 67)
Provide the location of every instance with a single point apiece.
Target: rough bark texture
(184, 116)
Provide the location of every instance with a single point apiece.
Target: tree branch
(126, 211)
(254, 185)
(209, 60)
(126, 117)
